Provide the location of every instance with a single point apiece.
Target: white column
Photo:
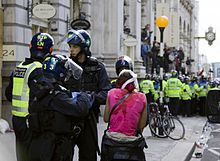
(135, 25)
(97, 28)
(112, 38)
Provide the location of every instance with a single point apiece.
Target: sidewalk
(163, 149)
(7, 147)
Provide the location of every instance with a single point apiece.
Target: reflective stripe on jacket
(203, 89)
(194, 89)
(186, 93)
(146, 86)
(20, 92)
(174, 86)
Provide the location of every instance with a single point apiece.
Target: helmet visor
(73, 37)
(73, 69)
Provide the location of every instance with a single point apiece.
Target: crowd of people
(185, 94)
(56, 102)
(150, 52)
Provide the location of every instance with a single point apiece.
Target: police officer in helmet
(54, 110)
(95, 81)
(173, 91)
(123, 62)
(22, 89)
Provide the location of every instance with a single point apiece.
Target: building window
(75, 9)
(36, 29)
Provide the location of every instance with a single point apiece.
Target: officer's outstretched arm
(76, 107)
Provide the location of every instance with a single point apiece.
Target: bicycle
(156, 121)
(165, 125)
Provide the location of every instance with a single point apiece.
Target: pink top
(126, 115)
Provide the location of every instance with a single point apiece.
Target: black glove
(184, 90)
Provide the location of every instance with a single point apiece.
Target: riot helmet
(181, 78)
(60, 68)
(41, 46)
(213, 84)
(123, 62)
(194, 78)
(174, 74)
(186, 79)
(166, 76)
(81, 38)
(148, 76)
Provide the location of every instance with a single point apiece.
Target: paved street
(212, 150)
(210, 144)
(7, 147)
(159, 149)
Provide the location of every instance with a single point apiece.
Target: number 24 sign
(9, 53)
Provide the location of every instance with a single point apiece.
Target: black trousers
(149, 97)
(202, 106)
(48, 146)
(87, 141)
(174, 105)
(23, 137)
(194, 106)
(185, 106)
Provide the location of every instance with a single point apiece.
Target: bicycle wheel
(173, 128)
(156, 126)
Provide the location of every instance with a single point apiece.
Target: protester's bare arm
(143, 119)
(106, 112)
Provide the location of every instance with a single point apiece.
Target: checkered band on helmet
(54, 69)
(79, 37)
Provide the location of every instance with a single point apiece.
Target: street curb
(189, 155)
(181, 151)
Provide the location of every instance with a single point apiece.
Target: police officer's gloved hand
(92, 98)
(91, 94)
(85, 95)
(75, 95)
(184, 90)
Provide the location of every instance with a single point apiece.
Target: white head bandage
(133, 79)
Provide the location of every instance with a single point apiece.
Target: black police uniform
(52, 120)
(94, 80)
(22, 133)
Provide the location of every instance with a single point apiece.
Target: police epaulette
(92, 61)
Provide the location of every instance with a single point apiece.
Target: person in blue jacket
(56, 113)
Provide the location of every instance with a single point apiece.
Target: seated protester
(55, 113)
(128, 117)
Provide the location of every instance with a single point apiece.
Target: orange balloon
(162, 21)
